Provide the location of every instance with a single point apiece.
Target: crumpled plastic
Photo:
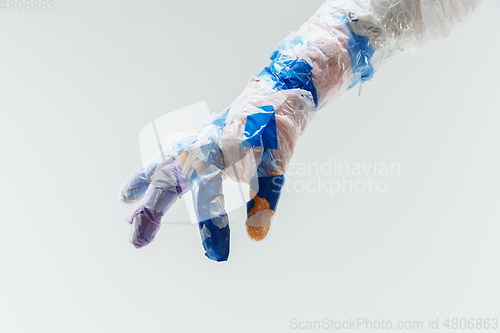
(341, 46)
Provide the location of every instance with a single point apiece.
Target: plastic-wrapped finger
(205, 177)
(137, 184)
(264, 193)
(167, 184)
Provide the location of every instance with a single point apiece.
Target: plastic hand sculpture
(253, 140)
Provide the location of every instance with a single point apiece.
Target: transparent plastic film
(253, 141)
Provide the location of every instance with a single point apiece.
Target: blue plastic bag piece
(269, 188)
(220, 120)
(184, 144)
(215, 240)
(288, 44)
(267, 164)
(260, 129)
(289, 73)
(211, 154)
(361, 54)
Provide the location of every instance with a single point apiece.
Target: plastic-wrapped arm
(253, 141)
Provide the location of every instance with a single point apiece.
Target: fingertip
(258, 233)
(215, 238)
(259, 218)
(145, 225)
(216, 256)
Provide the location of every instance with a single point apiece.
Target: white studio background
(77, 85)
